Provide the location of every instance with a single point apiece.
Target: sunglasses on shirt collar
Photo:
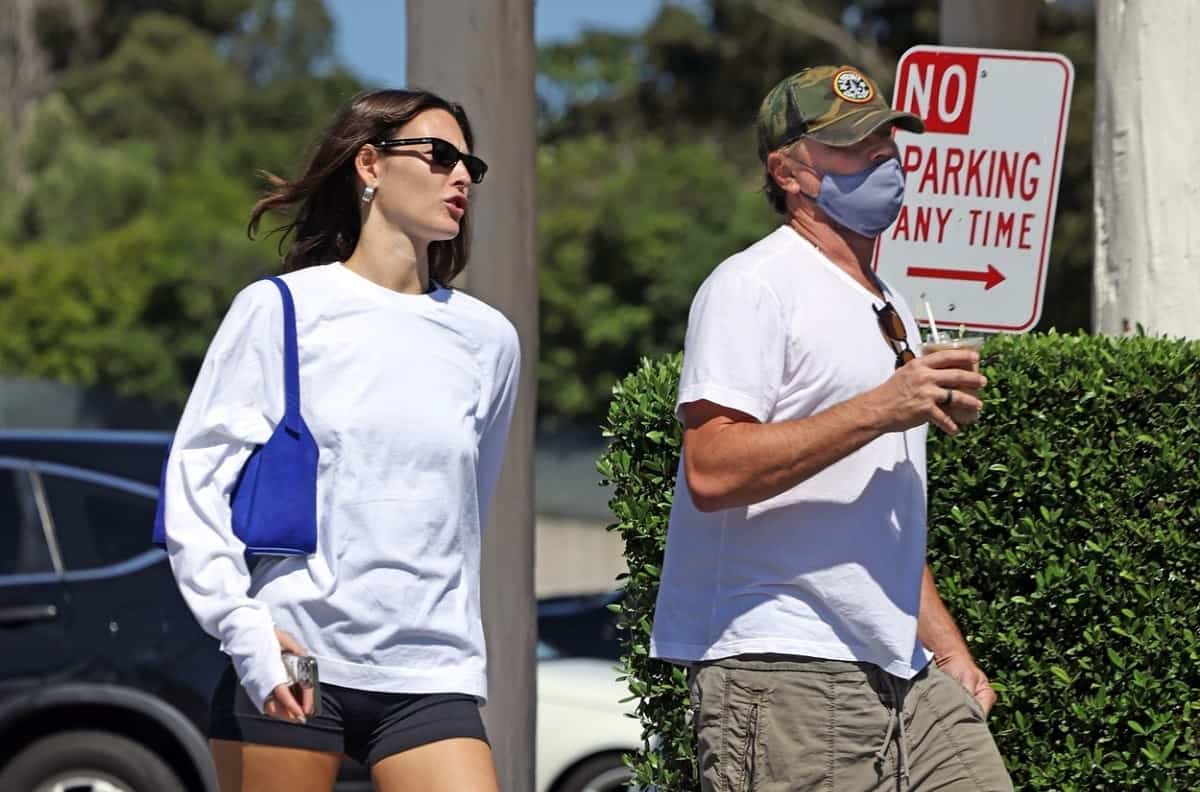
(444, 153)
(893, 329)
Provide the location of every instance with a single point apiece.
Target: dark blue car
(105, 676)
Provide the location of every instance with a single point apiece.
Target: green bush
(1065, 538)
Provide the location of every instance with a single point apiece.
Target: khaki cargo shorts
(777, 723)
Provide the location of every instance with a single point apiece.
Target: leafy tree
(165, 78)
(277, 40)
(122, 252)
(88, 189)
(696, 75)
(111, 20)
(625, 237)
(9, 205)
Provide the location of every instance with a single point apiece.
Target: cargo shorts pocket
(743, 743)
(941, 678)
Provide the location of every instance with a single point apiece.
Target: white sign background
(979, 260)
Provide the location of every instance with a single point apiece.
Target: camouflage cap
(836, 105)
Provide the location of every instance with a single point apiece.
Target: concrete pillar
(1147, 168)
(998, 24)
(481, 54)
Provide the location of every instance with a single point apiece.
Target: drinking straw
(933, 331)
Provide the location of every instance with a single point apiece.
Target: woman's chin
(440, 229)
(444, 231)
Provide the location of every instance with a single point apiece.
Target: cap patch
(852, 86)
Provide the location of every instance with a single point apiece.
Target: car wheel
(88, 761)
(606, 773)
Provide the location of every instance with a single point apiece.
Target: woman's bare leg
(460, 764)
(251, 767)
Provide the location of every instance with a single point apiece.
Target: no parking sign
(981, 189)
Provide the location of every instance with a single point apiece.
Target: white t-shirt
(409, 399)
(832, 567)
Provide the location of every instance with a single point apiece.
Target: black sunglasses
(893, 329)
(444, 154)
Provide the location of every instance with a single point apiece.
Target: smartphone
(302, 673)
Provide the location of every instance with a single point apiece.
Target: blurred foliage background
(132, 139)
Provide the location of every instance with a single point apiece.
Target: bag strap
(291, 359)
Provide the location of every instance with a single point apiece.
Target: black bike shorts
(361, 724)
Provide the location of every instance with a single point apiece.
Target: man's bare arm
(733, 460)
(938, 632)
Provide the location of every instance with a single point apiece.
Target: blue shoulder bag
(274, 500)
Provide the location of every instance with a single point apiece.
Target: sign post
(973, 236)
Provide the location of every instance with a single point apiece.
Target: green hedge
(1065, 538)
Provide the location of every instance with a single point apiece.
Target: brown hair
(326, 223)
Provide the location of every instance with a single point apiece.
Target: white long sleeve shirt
(409, 398)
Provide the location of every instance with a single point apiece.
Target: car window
(138, 460)
(22, 543)
(579, 627)
(97, 524)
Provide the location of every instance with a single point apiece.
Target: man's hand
(970, 676)
(916, 393)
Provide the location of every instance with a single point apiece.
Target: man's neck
(846, 249)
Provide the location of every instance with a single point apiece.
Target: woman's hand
(284, 703)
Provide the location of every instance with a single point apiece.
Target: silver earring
(367, 194)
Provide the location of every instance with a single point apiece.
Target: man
(795, 581)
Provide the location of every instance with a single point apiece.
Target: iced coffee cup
(960, 417)
(946, 342)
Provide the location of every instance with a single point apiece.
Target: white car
(583, 728)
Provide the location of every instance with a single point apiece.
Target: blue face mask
(866, 202)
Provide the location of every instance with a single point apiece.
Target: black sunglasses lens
(475, 167)
(445, 154)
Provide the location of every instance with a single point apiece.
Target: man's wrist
(871, 412)
(950, 654)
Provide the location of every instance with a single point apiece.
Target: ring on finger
(946, 402)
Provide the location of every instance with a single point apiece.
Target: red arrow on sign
(990, 278)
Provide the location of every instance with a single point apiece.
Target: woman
(407, 387)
